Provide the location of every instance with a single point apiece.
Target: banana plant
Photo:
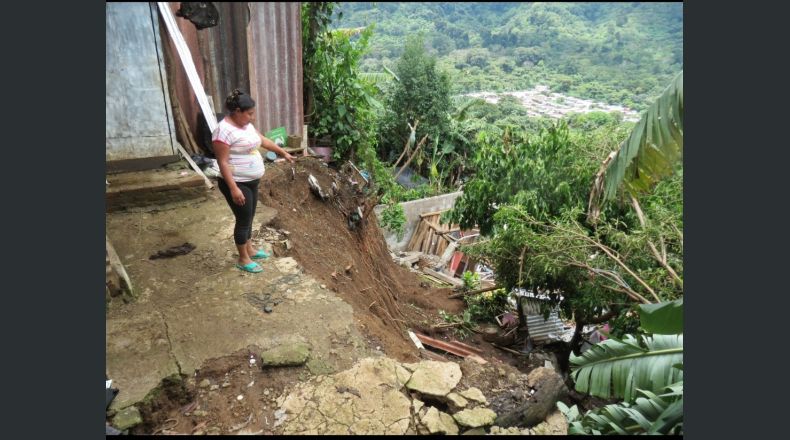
(649, 414)
(650, 153)
(645, 371)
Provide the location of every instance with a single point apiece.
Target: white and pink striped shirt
(246, 162)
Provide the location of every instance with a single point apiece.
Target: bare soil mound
(353, 261)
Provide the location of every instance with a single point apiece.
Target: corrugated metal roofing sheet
(275, 57)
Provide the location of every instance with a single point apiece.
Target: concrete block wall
(412, 211)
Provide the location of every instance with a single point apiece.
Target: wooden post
(117, 267)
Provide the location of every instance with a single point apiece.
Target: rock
(240, 397)
(497, 430)
(319, 367)
(200, 413)
(474, 394)
(549, 388)
(475, 431)
(435, 378)
(213, 431)
(417, 405)
(438, 422)
(286, 355)
(456, 400)
(366, 399)
(555, 424)
(204, 383)
(475, 418)
(225, 384)
(266, 392)
(214, 388)
(127, 418)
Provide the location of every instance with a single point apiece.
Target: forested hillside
(619, 53)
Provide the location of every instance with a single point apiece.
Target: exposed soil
(208, 403)
(387, 298)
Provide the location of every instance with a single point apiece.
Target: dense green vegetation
(620, 53)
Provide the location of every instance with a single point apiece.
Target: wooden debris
(446, 278)
(315, 187)
(454, 347)
(416, 340)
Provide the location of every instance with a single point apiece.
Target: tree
(528, 198)
(422, 93)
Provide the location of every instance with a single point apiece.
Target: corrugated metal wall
(275, 58)
(138, 119)
(224, 52)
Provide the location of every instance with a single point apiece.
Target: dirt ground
(382, 293)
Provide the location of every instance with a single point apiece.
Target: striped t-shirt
(246, 162)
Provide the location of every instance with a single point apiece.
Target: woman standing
(236, 143)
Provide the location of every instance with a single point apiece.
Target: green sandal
(252, 267)
(260, 255)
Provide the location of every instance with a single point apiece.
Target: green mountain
(619, 53)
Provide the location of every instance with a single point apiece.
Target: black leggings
(243, 213)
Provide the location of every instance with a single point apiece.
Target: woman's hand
(288, 157)
(237, 195)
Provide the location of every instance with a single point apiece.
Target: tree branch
(656, 254)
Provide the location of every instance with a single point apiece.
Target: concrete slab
(154, 187)
(198, 306)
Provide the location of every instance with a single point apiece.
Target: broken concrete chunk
(127, 418)
(286, 355)
(475, 431)
(411, 367)
(555, 424)
(498, 430)
(417, 405)
(402, 374)
(456, 400)
(438, 422)
(474, 394)
(435, 378)
(475, 418)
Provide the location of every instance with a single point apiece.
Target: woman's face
(244, 117)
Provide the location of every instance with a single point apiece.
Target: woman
(236, 143)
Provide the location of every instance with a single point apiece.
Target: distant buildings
(539, 101)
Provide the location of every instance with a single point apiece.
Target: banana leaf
(615, 368)
(650, 414)
(650, 153)
(664, 318)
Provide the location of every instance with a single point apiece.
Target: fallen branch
(660, 257)
(416, 150)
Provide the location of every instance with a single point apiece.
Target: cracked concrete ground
(193, 308)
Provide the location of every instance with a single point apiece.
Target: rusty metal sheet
(224, 52)
(274, 46)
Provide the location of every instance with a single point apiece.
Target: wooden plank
(452, 280)
(194, 165)
(117, 266)
(416, 340)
